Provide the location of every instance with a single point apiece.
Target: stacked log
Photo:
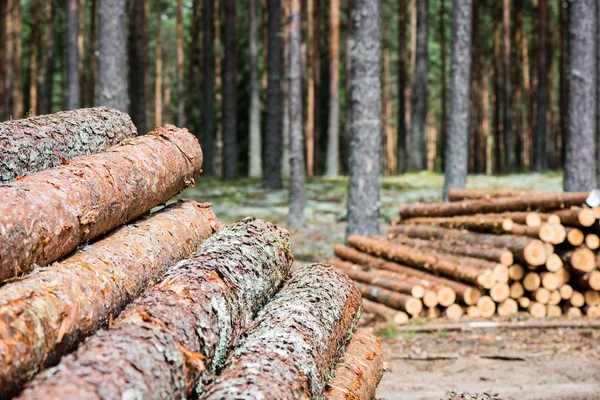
(517, 250)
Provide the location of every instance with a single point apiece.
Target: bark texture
(333, 128)
(168, 342)
(365, 144)
(230, 170)
(457, 143)
(48, 214)
(294, 341)
(113, 86)
(359, 371)
(540, 159)
(73, 85)
(38, 143)
(46, 315)
(254, 156)
(402, 79)
(581, 112)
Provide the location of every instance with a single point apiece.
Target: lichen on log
(45, 141)
(47, 313)
(295, 340)
(46, 215)
(179, 334)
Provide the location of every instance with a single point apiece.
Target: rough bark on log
(502, 256)
(525, 249)
(391, 299)
(38, 143)
(479, 223)
(472, 194)
(46, 314)
(548, 202)
(294, 341)
(388, 313)
(359, 371)
(46, 215)
(171, 340)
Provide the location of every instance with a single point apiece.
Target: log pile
(483, 253)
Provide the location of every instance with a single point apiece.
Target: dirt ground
(531, 364)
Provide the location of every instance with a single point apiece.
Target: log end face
(535, 253)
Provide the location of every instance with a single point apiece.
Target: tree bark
(158, 81)
(509, 140)
(517, 93)
(324, 305)
(443, 84)
(457, 145)
(273, 139)
(103, 190)
(18, 105)
(113, 86)
(539, 156)
(35, 46)
(9, 41)
(4, 15)
(181, 95)
(218, 87)
(46, 76)
(316, 71)
(402, 79)
(296, 217)
(254, 156)
(285, 131)
(150, 347)
(309, 126)
(359, 371)
(208, 87)
(138, 47)
(52, 320)
(365, 145)
(333, 127)
(417, 156)
(581, 113)
(348, 88)
(230, 171)
(193, 76)
(93, 59)
(73, 84)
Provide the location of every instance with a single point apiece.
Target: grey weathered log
(37, 143)
(176, 337)
(295, 340)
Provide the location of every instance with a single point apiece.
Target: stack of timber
(481, 254)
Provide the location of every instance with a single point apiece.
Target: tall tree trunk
(310, 91)
(296, 217)
(402, 80)
(158, 104)
(166, 87)
(528, 89)
(417, 156)
(539, 156)
(48, 71)
(365, 145)
(81, 49)
(193, 79)
(563, 82)
(218, 108)
(509, 142)
(272, 151)
(181, 95)
(348, 87)
(138, 48)
(3, 39)
(208, 82)
(9, 57)
(517, 71)
(34, 54)
(333, 127)
(385, 98)
(285, 123)
(73, 84)
(316, 70)
(92, 61)
(550, 130)
(18, 105)
(457, 157)
(443, 80)
(581, 114)
(254, 156)
(113, 87)
(230, 94)
(474, 143)
(498, 142)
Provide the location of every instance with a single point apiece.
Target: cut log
(553, 311)
(391, 299)
(430, 299)
(45, 141)
(531, 281)
(479, 223)
(486, 280)
(563, 274)
(432, 312)
(524, 302)
(534, 202)
(417, 291)
(574, 236)
(487, 306)
(470, 194)
(446, 296)
(577, 299)
(537, 310)
(46, 215)
(295, 340)
(359, 371)
(555, 298)
(574, 312)
(149, 348)
(502, 256)
(589, 281)
(566, 291)
(516, 290)
(389, 314)
(454, 312)
(500, 273)
(516, 272)
(577, 216)
(592, 298)
(542, 295)
(500, 292)
(554, 262)
(473, 312)
(581, 259)
(592, 312)
(467, 294)
(48, 313)
(550, 280)
(525, 249)
(508, 307)
(592, 241)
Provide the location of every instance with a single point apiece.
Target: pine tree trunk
(517, 96)
(9, 57)
(348, 88)
(316, 70)
(193, 67)
(285, 129)
(230, 94)
(273, 148)
(581, 113)
(498, 142)
(3, 49)
(296, 217)
(255, 148)
(457, 157)
(417, 156)
(35, 22)
(208, 87)
(47, 73)
(402, 80)
(539, 156)
(181, 95)
(73, 84)
(365, 145)
(509, 140)
(218, 107)
(333, 127)
(310, 90)
(443, 122)
(475, 158)
(113, 89)
(18, 105)
(81, 48)
(563, 82)
(158, 104)
(93, 60)
(138, 48)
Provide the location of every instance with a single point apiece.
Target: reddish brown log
(547, 202)
(359, 371)
(48, 313)
(38, 143)
(525, 249)
(167, 342)
(295, 340)
(479, 223)
(395, 300)
(46, 215)
(577, 216)
(471, 194)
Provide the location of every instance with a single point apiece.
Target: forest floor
(524, 364)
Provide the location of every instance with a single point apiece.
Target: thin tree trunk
(563, 82)
(333, 127)
(138, 48)
(443, 122)
(348, 88)
(18, 105)
(181, 95)
(550, 131)
(581, 114)
(498, 164)
(509, 142)
(457, 156)
(34, 55)
(47, 75)
(310, 91)
(528, 89)
(417, 156)
(475, 157)
(218, 108)
(193, 78)
(9, 57)
(92, 61)
(166, 87)
(3, 39)
(230, 94)
(365, 146)
(159, 72)
(402, 80)
(73, 84)
(81, 49)
(517, 89)
(254, 156)
(208, 82)
(316, 70)
(385, 98)
(540, 156)
(285, 129)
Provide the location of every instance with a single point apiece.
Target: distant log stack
(512, 249)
